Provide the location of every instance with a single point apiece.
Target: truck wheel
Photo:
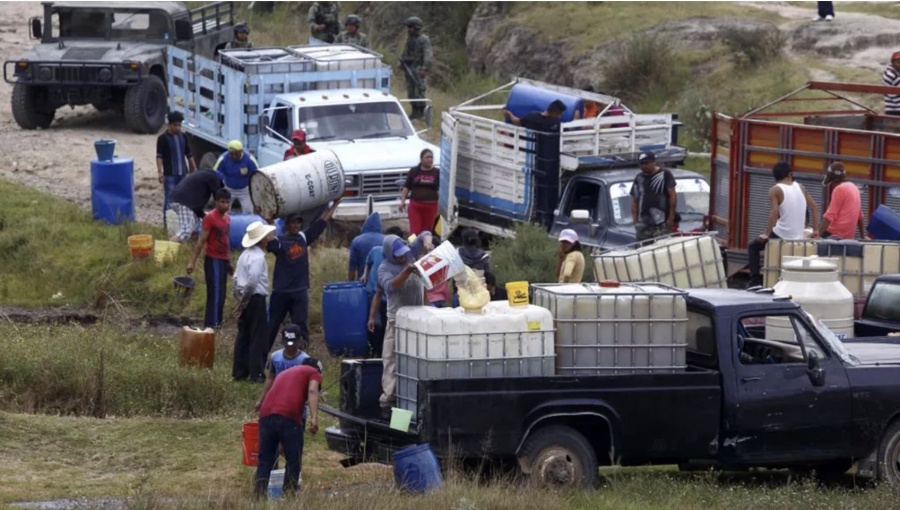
(145, 105)
(888, 464)
(25, 109)
(558, 456)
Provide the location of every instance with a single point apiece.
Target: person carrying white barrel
(235, 167)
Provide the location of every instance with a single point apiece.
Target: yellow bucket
(517, 293)
(164, 250)
(140, 246)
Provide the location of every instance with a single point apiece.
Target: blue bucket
(416, 469)
(105, 149)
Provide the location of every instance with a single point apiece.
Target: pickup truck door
(585, 195)
(276, 133)
(447, 194)
(779, 414)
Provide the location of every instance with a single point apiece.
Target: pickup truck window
(693, 200)
(775, 339)
(281, 121)
(91, 24)
(883, 303)
(584, 196)
(354, 121)
(701, 340)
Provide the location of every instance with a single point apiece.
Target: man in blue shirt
(377, 318)
(362, 244)
(292, 355)
(235, 167)
(173, 158)
(290, 284)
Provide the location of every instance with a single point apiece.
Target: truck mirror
(580, 216)
(37, 31)
(816, 374)
(264, 120)
(592, 230)
(184, 30)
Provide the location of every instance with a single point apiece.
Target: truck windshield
(354, 121)
(693, 200)
(834, 343)
(114, 25)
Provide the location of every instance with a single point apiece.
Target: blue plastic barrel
(112, 190)
(416, 469)
(345, 314)
(524, 98)
(885, 224)
(239, 224)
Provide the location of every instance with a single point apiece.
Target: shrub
(641, 66)
(754, 47)
(530, 256)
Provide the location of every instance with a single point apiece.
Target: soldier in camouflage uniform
(241, 37)
(324, 21)
(417, 56)
(351, 34)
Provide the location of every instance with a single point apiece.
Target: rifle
(409, 74)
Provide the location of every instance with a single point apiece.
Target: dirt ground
(58, 159)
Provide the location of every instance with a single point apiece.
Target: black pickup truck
(748, 398)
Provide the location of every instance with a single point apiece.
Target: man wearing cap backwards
(891, 78)
(290, 286)
(292, 355)
(235, 167)
(351, 33)
(402, 288)
(251, 288)
(281, 422)
(653, 199)
(217, 263)
(299, 146)
(547, 124)
(844, 214)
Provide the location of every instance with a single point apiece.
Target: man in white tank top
(789, 202)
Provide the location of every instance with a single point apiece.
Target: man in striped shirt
(891, 78)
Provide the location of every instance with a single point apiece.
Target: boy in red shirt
(281, 422)
(844, 214)
(217, 263)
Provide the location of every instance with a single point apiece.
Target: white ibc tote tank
(814, 284)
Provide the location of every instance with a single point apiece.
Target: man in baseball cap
(299, 146)
(844, 214)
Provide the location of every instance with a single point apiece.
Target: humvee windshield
(112, 25)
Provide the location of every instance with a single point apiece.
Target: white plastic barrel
(814, 284)
(298, 184)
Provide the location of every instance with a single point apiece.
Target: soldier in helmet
(351, 33)
(241, 37)
(417, 56)
(324, 21)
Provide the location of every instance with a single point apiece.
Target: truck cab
(597, 205)
(369, 132)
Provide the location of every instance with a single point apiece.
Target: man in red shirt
(217, 263)
(844, 214)
(281, 422)
(299, 147)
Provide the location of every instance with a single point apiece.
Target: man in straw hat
(251, 288)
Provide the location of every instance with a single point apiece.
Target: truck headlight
(105, 74)
(45, 74)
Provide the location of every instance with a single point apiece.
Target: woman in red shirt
(422, 184)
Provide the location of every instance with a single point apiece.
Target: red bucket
(250, 433)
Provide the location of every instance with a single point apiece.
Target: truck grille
(76, 73)
(381, 184)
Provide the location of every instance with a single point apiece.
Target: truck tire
(145, 105)
(25, 109)
(888, 463)
(558, 456)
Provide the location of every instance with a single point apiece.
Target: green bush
(530, 256)
(754, 47)
(107, 371)
(642, 66)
